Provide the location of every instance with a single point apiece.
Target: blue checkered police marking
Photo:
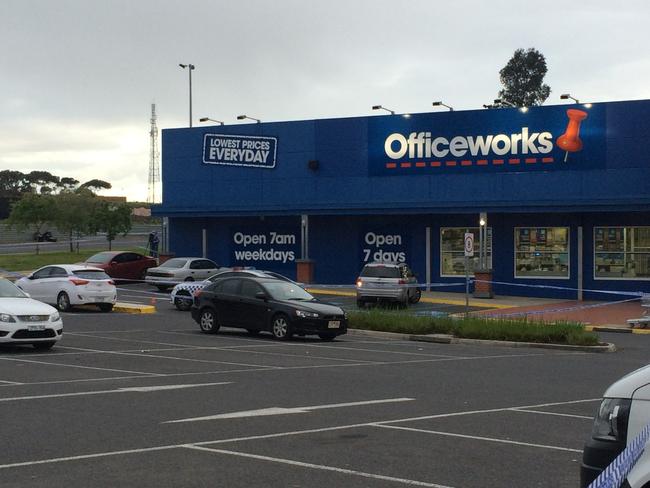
(617, 471)
(190, 286)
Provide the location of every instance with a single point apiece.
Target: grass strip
(516, 330)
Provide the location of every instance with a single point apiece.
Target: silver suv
(387, 281)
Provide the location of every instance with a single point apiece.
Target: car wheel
(43, 346)
(280, 327)
(415, 298)
(162, 288)
(105, 307)
(208, 321)
(189, 278)
(143, 274)
(183, 304)
(63, 302)
(327, 336)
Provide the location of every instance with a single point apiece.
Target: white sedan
(27, 321)
(176, 270)
(65, 285)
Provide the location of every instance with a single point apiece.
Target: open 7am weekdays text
(261, 254)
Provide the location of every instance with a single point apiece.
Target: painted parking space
(359, 411)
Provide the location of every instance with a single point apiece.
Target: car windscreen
(101, 257)
(9, 290)
(380, 272)
(174, 263)
(282, 290)
(91, 274)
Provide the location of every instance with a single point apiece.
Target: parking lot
(147, 400)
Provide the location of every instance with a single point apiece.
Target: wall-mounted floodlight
(208, 119)
(566, 96)
(243, 117)
(440, 104)
(379, 107)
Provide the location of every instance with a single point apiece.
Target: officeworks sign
(504, 140)
(232, 150)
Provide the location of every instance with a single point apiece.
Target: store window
(541, 252)
(452, 250)
(622, 252)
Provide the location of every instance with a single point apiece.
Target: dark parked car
(266, 304)
(44, 237)
(125, 265)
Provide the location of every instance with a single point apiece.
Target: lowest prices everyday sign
(239, 150)
(383, 247)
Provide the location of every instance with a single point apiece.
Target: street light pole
(190, 68)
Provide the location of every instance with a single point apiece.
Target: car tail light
(401, 282)
(110, 282)
(77, 281)
(359, 283)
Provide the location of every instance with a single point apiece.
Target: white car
(27, 321)
(66, 285)
(175, 270)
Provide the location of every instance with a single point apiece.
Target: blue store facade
(566, 190)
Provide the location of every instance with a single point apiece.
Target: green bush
(518, 330)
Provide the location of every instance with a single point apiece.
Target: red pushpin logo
(570, 141)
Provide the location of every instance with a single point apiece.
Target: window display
(622, 252)
(541, 252)
(452, 250)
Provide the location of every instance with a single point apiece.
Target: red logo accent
(570, 141)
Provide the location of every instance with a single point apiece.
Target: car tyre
(415, 298)
(280, 327)
(163, 288)
(208, 321)
(63, 302)
(189, 278)
(43, 346)
(327, 336)
(106, 307)
(183, 304)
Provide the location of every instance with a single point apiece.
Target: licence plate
(35, 327)
(334, 324)
(99, 299)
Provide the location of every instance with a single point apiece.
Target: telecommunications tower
(154, 160)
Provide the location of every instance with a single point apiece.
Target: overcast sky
(77, 77)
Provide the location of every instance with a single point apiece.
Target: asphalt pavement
(149, 401)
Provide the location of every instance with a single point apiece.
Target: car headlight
(306, 315)
(54, 317)
(611, 420)
(5, 317)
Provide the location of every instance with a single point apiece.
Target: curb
(449, 339)
(133, 308)
(618, 330)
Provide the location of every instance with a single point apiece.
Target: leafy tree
(42, 181)
(68, 184)
(112, 219)
(523, 79)
(74, 213)
(32, 211)
(96, 185)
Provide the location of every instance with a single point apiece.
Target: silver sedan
(176, 270)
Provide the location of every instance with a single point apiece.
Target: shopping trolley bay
(149, 400)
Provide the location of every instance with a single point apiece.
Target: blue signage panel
(387, 245)
(499, 140)
(232, 150)
(275, 247)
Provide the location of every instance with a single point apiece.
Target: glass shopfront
(622, 252)
(452, 250)
(542, 252)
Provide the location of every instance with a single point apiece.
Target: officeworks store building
(565, 191)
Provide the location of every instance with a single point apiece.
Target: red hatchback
(124, 265)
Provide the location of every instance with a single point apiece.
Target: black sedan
(266, 304)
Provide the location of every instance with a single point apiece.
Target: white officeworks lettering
(379, 240)
(423, 144)
(248, 239)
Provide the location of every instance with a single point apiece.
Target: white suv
(623, 413)
(387, 282)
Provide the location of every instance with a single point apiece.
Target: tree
(112, 219)
(74, 213)
(96, 185)
(32, 211)
(522, 79)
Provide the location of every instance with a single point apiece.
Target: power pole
(154, 159)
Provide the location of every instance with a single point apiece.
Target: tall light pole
(190, 68)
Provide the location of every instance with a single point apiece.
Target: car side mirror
(260, 295)
(113, 262)
(30, 277)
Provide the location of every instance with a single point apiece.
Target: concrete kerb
(449, 339)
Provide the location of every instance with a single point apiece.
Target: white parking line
(541, 412)
(318, 466)
(78, 366)
(478, 438)
(134, 389)
(10, 382)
